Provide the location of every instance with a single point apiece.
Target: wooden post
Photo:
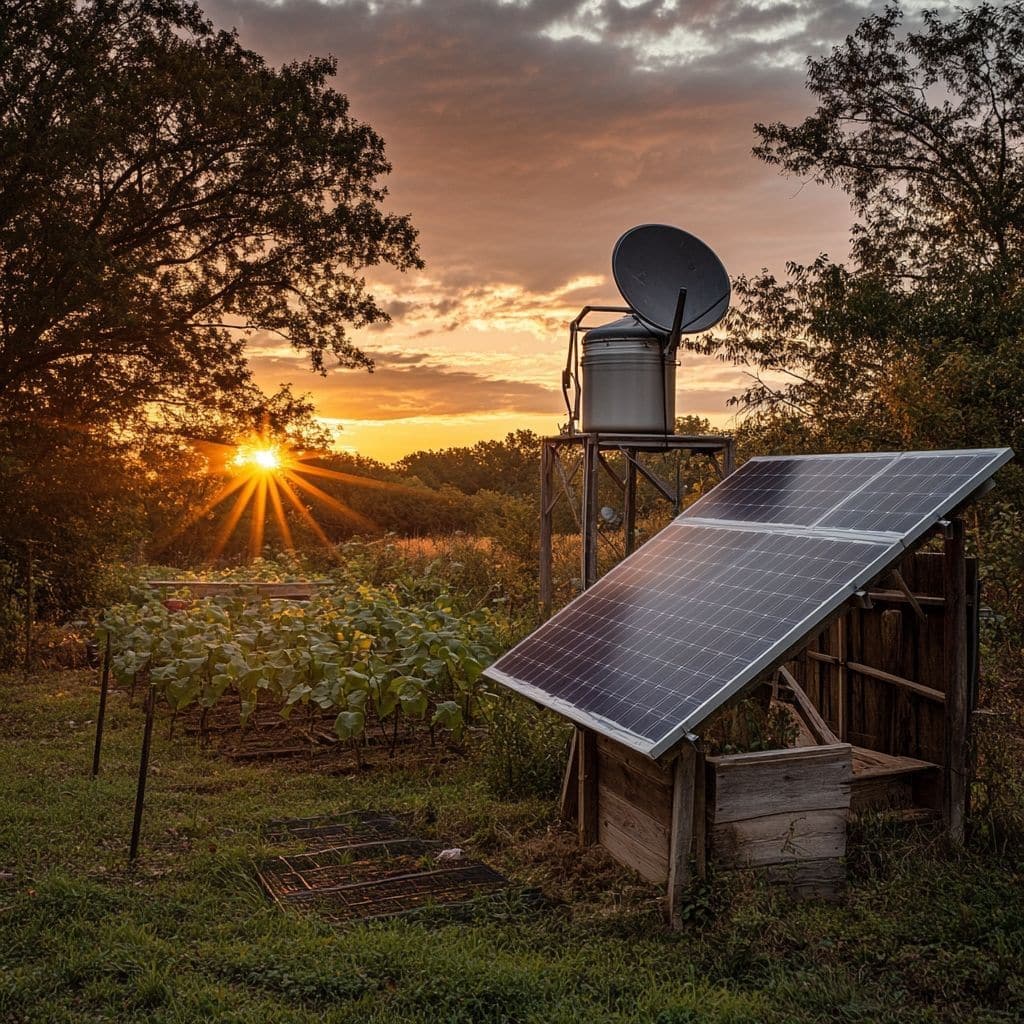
(570, 798)
(957, 730)
(700, 837)
(842, 699)
(629, 501)
(729, 458)
(547, 458)
(586, 773)
(680, 849)
(591, 470)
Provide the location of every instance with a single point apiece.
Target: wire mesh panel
(363, 865)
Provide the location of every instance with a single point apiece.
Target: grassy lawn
(188, 936)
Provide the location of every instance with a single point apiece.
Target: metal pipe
(140, 790)
(102, 712)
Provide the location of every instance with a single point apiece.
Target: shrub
(524, 751)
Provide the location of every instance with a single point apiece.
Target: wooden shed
(880, 689)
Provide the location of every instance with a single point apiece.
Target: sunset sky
(526, 137)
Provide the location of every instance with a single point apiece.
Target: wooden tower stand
(564, 456)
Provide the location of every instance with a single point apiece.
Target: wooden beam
(811, 715)
(928, 692)
(587, 809)
(569, 801)
(901, 584)
(907, 684)
(957, 731)
(681, 836)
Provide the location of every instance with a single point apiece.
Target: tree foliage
(162, 191)
(917, 341)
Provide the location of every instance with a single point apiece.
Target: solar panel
(701, 610)
(794, 490)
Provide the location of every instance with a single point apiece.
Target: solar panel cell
(796, 491)
(911, 490)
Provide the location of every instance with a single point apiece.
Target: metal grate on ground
(326, 831)
(364, 865)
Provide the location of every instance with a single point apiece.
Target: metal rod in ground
(140, 792)
(101, 714)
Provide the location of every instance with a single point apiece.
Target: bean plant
(359, 651)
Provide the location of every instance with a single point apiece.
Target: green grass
(923, 936)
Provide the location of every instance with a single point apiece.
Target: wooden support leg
(569, 802)
(591, 470)
(587, 810)
(957, 738)
(681, 837)
(629, 504)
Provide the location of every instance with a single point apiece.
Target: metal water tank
(629, 382)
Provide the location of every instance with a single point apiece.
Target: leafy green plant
(524, 751)
(359, 650)
(748, 726)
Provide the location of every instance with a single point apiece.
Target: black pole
(140, 792)
(101, 714)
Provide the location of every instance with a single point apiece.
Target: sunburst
(267, 475)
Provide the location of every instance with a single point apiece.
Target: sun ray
(282, 522)
(190, 520)
(358, 481)
(229, 524)
(259, 515)
(344, 510)
(290, 494)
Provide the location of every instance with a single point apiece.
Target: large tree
(918, 339)
(163, 191)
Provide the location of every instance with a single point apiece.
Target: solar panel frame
(888, 547)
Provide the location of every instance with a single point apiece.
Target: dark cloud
(522, 157)
(396, 390)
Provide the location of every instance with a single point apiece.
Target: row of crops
(366, 654)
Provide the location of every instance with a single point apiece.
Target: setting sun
(255, 458)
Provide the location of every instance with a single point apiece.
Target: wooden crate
(784, 811)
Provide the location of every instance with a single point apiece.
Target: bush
(11, 613)
(524, 751)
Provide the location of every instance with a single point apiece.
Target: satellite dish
(652, 263)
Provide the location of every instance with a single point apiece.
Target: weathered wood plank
(781, 838)
(879, 792)
(810, 879)
(648, 838)
(803, 779)
(623, 847)
(634, 761)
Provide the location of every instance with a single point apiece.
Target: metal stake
(140, 792)
(102, 712)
